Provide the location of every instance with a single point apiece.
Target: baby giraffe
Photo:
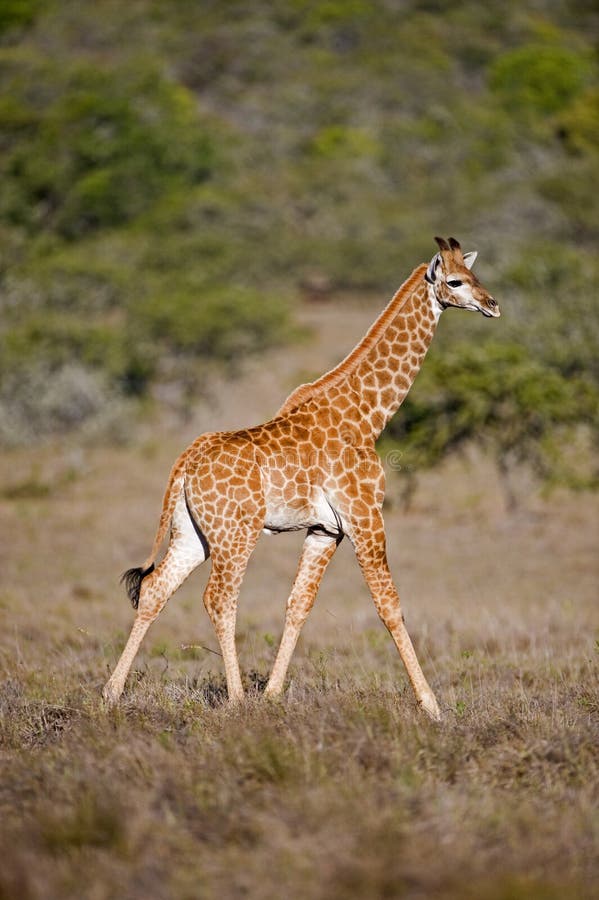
(313, 467)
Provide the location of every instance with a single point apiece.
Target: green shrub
(58, 339)
(539, 78)
(579, 123)
(573, 198)
(212, 323)
(100, 150)
(39, 402)
(500, 397)
(340, 142)
(17, 13)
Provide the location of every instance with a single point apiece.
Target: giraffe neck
(384, 374)
(371, 382)
(368, 386)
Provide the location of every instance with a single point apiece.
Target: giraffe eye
(454, 282)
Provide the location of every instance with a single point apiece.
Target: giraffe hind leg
(220, 597)
(152, 590)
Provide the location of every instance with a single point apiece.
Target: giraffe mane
(311, 389)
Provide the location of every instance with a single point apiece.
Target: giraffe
(313, 467)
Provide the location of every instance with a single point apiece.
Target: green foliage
(555, 284)
(98, 147)
(226, 323)
(168, 172)
(37, 399)
(498, 396)
(573, 198)
(17, 13)
(580, 123)
(339, 142)
(59, 338)
(539, 78)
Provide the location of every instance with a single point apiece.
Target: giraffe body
(313, 467)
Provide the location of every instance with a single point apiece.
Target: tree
(517, 408)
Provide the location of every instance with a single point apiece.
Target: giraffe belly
(282, 516)
(297, 514)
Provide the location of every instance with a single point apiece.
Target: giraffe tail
(133, 578)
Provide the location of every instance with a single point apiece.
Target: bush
(100, 150)
(39, 402)
(218, 324)
(59, 339)
(17, 13)
(579, 123)
(572, 197)
(540, 79)
(551, 286)
(496, 396)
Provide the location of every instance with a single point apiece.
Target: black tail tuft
(133, 579)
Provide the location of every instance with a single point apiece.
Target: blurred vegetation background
(172, 173)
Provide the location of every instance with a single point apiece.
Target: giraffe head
(453, 283)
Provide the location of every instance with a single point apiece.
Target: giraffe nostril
(492, 303)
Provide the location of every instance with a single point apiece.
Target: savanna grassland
(342, 789)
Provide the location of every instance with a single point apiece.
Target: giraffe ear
(431, 272)
(469, 258)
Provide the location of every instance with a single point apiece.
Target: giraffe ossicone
(312, 467)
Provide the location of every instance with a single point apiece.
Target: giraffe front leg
(221, 604)
(368, 539)
(316, 553)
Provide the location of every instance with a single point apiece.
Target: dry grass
(342, 789)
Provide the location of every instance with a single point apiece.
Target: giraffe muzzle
(491, 309)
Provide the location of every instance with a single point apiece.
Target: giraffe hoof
(110, 694)
(431, 707)
(235, 699)
(272, 692)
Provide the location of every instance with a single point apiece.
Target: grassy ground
(342, 789)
